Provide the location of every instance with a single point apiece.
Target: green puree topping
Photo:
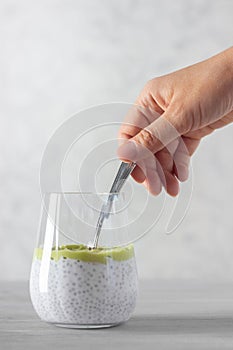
(83, 253)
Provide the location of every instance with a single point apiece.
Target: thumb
(152, 138)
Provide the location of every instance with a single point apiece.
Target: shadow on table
(177, 325)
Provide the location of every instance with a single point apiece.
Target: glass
(72, 284)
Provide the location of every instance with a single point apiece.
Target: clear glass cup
(72, 284)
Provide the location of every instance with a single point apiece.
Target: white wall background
(59, 56)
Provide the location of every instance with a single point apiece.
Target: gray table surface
(169, 315)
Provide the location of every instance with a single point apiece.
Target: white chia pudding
(85, 287)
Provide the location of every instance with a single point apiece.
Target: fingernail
(127, 151)
(183, 173)
(154, 186)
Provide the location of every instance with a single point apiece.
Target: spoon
(123, 173)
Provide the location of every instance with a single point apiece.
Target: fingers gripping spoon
(123, 173)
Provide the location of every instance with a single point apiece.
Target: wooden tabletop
(169, 315)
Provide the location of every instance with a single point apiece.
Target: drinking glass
(71, 283)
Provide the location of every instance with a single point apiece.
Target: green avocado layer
(83, 253)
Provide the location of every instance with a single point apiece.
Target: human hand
(178, 110)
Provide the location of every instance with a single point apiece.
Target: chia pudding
(83, 286)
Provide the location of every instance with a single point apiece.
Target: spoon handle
(123, 173)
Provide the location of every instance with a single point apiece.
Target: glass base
(86, 326)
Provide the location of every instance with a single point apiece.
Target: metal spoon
(123, 173)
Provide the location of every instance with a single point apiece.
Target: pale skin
(196, 101)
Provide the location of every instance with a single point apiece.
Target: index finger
(136, 119)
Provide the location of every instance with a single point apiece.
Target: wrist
(228, 61)
(224, 65)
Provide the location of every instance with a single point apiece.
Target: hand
(178, 110)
